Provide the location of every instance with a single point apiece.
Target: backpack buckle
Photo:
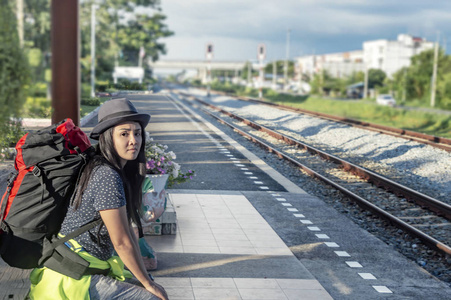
(36, 171)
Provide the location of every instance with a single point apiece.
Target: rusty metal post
(65, 61)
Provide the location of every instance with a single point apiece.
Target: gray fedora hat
(117, 111)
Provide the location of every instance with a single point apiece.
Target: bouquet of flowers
(161, 161)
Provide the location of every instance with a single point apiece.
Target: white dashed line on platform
(367, 276)
(354, 264)
(292, 209)
(299, 215)
(244, 169)
(281, 199)
(322, 236)
(314, 228)
(306, 222)
(286, 204)
(382, 289)
(264, 187)
(258, 182)
(342, 253)
(332, 245)
(247, 173)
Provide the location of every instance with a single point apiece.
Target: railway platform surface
(244, 231)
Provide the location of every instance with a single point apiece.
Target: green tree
(14, 72)
(121, 31)
(376, 78)
(414, 82)
(280, 67)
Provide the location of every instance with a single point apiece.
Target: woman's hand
(157, 290)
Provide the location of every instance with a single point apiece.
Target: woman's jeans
(104, 287)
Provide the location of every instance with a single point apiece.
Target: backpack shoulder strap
(50, 247)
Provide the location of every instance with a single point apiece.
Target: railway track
(415, 213)
(434, 141)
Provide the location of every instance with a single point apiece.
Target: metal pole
(208, 77)
(365, 86)
(19, 13)
(249, 66)
(65, 61)
(274, 74)
(93, 49)
(260, 91)
(434, 72)
(286, 60)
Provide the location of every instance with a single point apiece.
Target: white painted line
(264, 187)
(258, 182)
(253, 177)
(292, 209)
(239, 165)
(354, 264)
(248, 173)
(233, 158)
(367, 276)
(286, 204)
(322, 236)
(314, 228)
(245, 169)
(342, 253)
(275, 195)
(281, 199)
(299, 215)
(307, 222)
(332, 245)
(382, 289)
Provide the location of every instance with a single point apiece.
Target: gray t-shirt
(104, 191)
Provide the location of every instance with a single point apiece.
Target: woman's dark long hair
(133, 173)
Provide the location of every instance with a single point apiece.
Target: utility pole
(365, 85)
(261, 55)
(65, 61)
(285, 86)
(249, 71)
(274, 74)
(19, 13)
(93, 49)
(209, 56)
(434, 72)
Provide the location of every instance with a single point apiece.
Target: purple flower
(162, 158)
(189, 171)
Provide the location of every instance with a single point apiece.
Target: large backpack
(47, 166)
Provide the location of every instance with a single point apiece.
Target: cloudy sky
(237, 27)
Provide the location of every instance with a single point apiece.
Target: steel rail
(439, 207)
(427, 239)
(435, 141)
(430, 241)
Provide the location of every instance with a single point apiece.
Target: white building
(336, 64)
(390, 56)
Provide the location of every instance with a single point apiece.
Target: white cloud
(237, 27)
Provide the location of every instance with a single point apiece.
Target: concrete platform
(224, 249)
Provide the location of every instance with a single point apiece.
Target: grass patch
(425, 122)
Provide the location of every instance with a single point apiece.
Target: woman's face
(127, 139)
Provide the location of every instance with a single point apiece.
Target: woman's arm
(126, 246)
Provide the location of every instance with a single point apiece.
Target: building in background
(336, 64)
(388, 56)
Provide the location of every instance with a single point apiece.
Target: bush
(37, 107)
(12, 131)
(90, 101)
